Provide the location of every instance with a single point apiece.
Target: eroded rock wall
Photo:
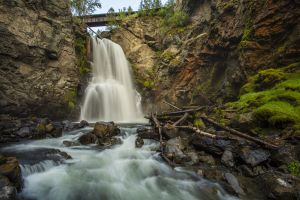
(209, 60)
(37, 58)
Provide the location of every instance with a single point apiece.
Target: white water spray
(110, 96)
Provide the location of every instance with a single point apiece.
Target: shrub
(294, 168)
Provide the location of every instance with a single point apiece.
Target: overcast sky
(119, 4)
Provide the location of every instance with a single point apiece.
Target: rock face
(38, 62)
(209, 60)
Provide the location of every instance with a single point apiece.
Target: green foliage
(199, 123)
(294, 168)
(81, 51)
(70, 98)
(41, 128)
(177, 19)
(84, 7)
(277, 113)
(148, 84)
(273, 96)
(167, 55)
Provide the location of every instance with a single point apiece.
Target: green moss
(199, 123)
(41, 128)
(294, 168)
(277, 113)
(81, 52)
(148, 84)
(167, 55)
(273, 95)
(70, 98)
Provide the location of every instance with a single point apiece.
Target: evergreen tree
(157, 4)
(84, 7)
(130, 10)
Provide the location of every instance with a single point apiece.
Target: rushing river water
(122, 172)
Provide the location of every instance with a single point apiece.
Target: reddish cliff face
(209, 60)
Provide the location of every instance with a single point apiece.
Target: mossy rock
(294, 168)
(268, 78)
(278, 114)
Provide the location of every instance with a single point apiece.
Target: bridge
(100, 19)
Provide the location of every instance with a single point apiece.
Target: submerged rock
(82, 124)
(88, 138)
(139, 142)
(105, 129)
(70, 143)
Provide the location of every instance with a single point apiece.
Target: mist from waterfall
(110, 95)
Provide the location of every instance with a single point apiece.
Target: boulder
(105, 129)
(254, 157)
(234, 183)
(70, 143)
(174, 150)
(139, 142)
(49, 128)
(7, 190)
(24, 132)
(147, 133)
(67, 125)
(57, 132)
(82, 124)
(10, 168)
(88, 138)
(227, 158)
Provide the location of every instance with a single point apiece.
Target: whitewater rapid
(122, 172)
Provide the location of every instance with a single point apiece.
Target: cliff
(38, 70)
(209, 60)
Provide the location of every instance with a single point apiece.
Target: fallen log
(240, 134)
(171, 105)
(182, 111)
(181, 119)
(196, 130)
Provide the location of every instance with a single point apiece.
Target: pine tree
(130, 10)
(157, 4)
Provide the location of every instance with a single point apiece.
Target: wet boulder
(49, 128)
(105, 129)
(67, 125)
(88, 138)
(147, 133)
(227, 158)
(208, 145)
(82, 124)
(174, 150)
(254, 157)
(10, 168)
(7, 190)
(139, 142)
(234, 183)
(24, 132)
(70, 143)
(57, 132)
(279, 186)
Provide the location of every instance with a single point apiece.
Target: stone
(88, 138)
(105, 129)
(207, 159)
(57, 132)
(279, 186)
(82, 124)
(174, 147)
(12, 171)
(232, 180)
(67, 125)
(7, 190)
(49, 128)
(24, 132)
(254, 157)
(207, 144)
(227, 158)
(70, 143)
(139, 142)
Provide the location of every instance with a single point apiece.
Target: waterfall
(110, 95)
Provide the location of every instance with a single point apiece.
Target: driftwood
(196, 130)
(182, 111)
(171, 105)
(240, 134)
(157, 125)
(181, 119)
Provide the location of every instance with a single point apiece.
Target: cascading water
(110, 96)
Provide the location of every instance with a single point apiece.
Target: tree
(84, 7)
(130, 10)
(157, 4)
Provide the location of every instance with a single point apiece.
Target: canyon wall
(38, 70)
(209, 60)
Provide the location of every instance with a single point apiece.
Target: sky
(119, 4)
